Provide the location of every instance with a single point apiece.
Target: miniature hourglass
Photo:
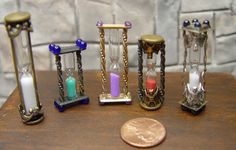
(151, 95)
(195, 43)
(18, 26)
(74, 88)
(118, 90)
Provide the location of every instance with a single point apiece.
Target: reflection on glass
(114, 49)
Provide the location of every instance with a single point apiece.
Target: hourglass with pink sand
(151, 91)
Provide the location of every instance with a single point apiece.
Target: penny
(143, 132)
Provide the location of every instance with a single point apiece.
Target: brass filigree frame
(15, 23)
(63, 102)
(151, 44)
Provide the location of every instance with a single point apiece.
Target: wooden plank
(98, 127)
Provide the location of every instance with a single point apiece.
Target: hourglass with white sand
(195, 44)
(18, 26)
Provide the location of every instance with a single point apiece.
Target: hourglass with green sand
(73, 95)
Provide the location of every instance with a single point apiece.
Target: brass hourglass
(151, 95)
(18, 26)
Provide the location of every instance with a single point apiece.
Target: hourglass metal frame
(151, 45)
(63, 102)
(195, 103)
(104, 97)
(15, 23)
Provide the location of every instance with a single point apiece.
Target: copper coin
(143, 132)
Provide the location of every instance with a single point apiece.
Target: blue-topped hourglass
(73, 95)
(195, 44)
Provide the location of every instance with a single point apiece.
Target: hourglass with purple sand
(115, 87)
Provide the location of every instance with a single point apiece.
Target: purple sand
(115, 84)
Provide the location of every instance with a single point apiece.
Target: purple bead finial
(51, 47)
(81, 44)
(99, 23)
(57, 50)
(128, 24)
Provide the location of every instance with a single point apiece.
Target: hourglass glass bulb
(70, 80)
(114, 49)
(151, 75)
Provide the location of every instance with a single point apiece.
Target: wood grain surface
(98, 127)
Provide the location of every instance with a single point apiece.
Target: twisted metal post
(140, 70)
(125, 60)
(102, 60)
(205, 60)
(60, 78)
(162, 73)
(80, 73)
(185, 56)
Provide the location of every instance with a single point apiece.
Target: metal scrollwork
(14, 30)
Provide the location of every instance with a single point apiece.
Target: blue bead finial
(206, 22)
(81, 44)
(51, 47)
(99, 23)
(78, 41)
(128, 24)
(197, 24)
(195, 20)
(186, 23)
(57, 50)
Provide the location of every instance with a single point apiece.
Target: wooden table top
(98, 127)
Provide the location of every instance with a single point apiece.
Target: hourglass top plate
(152, 38)
(195, 30)
(113, 26)
(17, 17)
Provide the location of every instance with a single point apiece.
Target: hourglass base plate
(194, 110)
(67, 103)
(153, 107)
(108, 99)
(34, 117)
